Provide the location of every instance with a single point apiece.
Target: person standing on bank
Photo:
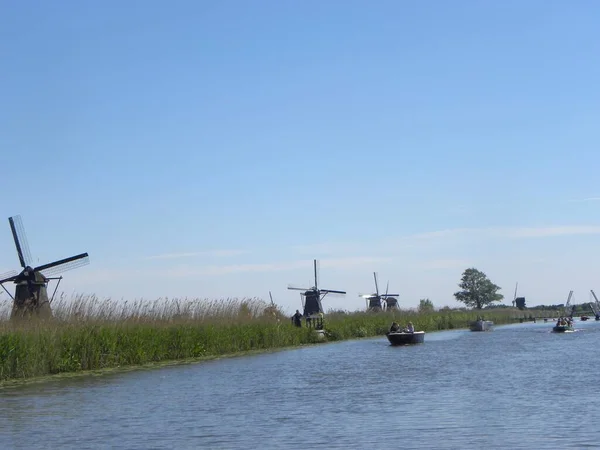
(297, 319)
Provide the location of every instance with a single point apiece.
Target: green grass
(87, 334)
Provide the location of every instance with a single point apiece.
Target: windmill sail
(18, 232)
(64, 265)
(8, 276)
(597, 305)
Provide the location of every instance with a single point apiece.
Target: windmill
(568, 309)
(31, 295)
(271, 310)
(519, 302)
(596, 309)
(374, 300)
(312, 297)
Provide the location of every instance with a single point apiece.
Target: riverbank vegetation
(87, 333)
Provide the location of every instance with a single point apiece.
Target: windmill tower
(391, 302)
(374, 301)
(31, 294)
(311, 297)
(271, 310)
(519, 302)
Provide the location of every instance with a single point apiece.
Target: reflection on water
(519, 386)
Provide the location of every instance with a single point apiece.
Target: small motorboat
(482, 325)
(562, 328)
(563, 325)
(405, 338)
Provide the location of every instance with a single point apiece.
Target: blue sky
(213, 149)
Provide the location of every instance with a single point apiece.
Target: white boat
(482, 325)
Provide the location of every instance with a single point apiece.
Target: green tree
(425, 305)
(477, 290)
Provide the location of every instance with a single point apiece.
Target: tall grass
(88, 333)
(89, 307)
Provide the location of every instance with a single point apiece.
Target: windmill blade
(316, 274)
(8, 276)
(387, 286)
(329, 291)
(367, 295)
(271, 297)
(376, 285)
(390, 295)
(63, 265)
(294, 288)
(20, 238)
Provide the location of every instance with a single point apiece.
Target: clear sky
(213, 149)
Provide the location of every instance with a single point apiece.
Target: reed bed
(91, 308)
(88, 333)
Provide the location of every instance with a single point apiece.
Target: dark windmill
(391, 303)
(374, 301)
(519, 302)
(311, 300)
(31, 295)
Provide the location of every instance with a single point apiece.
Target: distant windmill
(271, 310)
(595, 306)
(31, 295)
(519, 302)
(312, 296)
(374, 301)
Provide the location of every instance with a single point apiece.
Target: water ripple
(517, 387)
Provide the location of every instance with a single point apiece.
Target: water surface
(519, 386)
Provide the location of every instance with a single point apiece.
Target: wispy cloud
(342, 263)
(539, 261)
(214, 270)
(542, 232)
(326, 248)
(588, 199)
(452, 237)
(106, 275)
(440, 264)
(507, 232)
(215, 253)
(440, 234)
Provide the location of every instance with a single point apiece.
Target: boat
(562, 328)
(404, 338)
(482, 325)
(565, 322)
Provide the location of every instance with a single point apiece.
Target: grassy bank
(90, 335)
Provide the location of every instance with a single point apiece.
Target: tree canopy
(425, 305)
(477, 290)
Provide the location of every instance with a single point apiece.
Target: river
(519, 386)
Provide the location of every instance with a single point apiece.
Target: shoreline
(17, 382)
(33, 354)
